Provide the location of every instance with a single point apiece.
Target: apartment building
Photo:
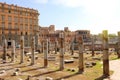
(16, 21)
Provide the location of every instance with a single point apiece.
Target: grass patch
(94, 72)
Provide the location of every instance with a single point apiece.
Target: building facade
(16, 21)
(85, 34)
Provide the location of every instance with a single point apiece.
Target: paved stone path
(115, 66)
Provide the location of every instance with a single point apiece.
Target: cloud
(99, 14)
(41, 1)
(68, 3)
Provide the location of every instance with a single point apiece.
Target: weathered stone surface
(2, 72)
(15, 74)
(68, 61)
(95, 58)
(49, 78)
(17, 69)
(88, 64)
(51, 58)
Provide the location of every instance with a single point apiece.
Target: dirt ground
(39, 72)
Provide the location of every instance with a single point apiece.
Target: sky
(93, 15)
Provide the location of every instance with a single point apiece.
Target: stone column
(81, 61)
(118, 45)
(33, 51)
(105, 54)
(22, 49)
(4, 50)
(43, 46)
(61, 50)
(72, 48)
(46, 53)
(55, 46)
(93, 46)
(37, 42)
(49, 46)
(13, 50)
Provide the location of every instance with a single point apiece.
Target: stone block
(49, 78)
(15, 74)
(69, 61)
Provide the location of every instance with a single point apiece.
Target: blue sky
(93, 15)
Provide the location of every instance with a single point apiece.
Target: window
(2, 32)
(21, 27)
(26, 33)
(20, 13)
(2, 5)
(3, 25)
(30, 27)
(9, 26)
(15, 19)
(30, 21)
(26, 27)
(15, 12)
(9, 7)
(26, 14)
(21, 20)
(21, 33)
(9, 11)
(16, 26)
(3, 18)
(35, 22)
(26, 20)
(9, 19)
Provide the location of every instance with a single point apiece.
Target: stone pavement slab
(115, 66)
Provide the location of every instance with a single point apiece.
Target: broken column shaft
(61, 51)
(81, 61)
(5, 50)
(22, 49)
(105, 54)
(13, 50)
(33, 51)
(55, 46)
(93, 46)
(118, 45)
(46, 53)
(72, 48)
